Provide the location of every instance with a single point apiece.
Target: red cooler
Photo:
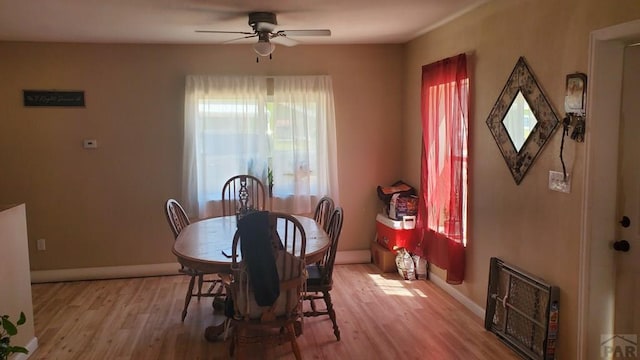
(394, 234)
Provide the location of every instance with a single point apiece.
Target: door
(599, 264)
(627, 263)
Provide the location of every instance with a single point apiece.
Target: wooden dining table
(202, 245)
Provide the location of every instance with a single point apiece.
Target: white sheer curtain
(225, 134)
(232, 126)
(305, 163)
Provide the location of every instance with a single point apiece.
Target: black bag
(399, 187)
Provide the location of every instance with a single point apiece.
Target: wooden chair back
(176, 216)
(323, 211)
(241, 193)
(333, 230)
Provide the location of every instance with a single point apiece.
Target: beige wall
(104, 207)
(526, 225)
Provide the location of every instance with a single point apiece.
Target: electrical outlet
(42, 245)
(557, 182)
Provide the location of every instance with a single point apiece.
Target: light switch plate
(557, 182)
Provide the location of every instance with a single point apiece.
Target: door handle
(621, 245)
(625, 222)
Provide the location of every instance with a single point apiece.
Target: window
(442, 215)
(446, 165)
(250, 125)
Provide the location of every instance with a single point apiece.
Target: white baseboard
(460, 297)
(105, 272)
(31, 346)
(353, 257)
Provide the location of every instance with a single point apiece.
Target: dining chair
(320, 274)
(178, 220)
(242, 193)
(266, 286)
(323, 211)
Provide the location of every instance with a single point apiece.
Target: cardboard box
(394, 234)
(383, 258)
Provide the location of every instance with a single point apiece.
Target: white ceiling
(175, 21)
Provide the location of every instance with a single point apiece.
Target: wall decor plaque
(54, 98)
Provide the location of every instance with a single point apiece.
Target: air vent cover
(522, 311)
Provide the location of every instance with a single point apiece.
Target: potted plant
(8, 330)
(270, 181)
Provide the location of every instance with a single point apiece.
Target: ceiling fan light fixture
(263, 48)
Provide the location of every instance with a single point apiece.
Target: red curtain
(441, 221)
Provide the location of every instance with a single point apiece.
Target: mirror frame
(522, 80)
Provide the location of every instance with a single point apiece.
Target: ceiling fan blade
(284, 40)
(224, 32)
(240, 38)
(316, 32)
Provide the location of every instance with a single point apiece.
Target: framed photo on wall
(576, 93)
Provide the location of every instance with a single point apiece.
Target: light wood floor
(380, 317)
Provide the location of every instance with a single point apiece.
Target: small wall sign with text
(53, 98)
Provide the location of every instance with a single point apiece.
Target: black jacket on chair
(257, 252)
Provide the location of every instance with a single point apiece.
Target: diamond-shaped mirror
(522, 120)
(519, 121)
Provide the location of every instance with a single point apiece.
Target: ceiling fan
(264, 28)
